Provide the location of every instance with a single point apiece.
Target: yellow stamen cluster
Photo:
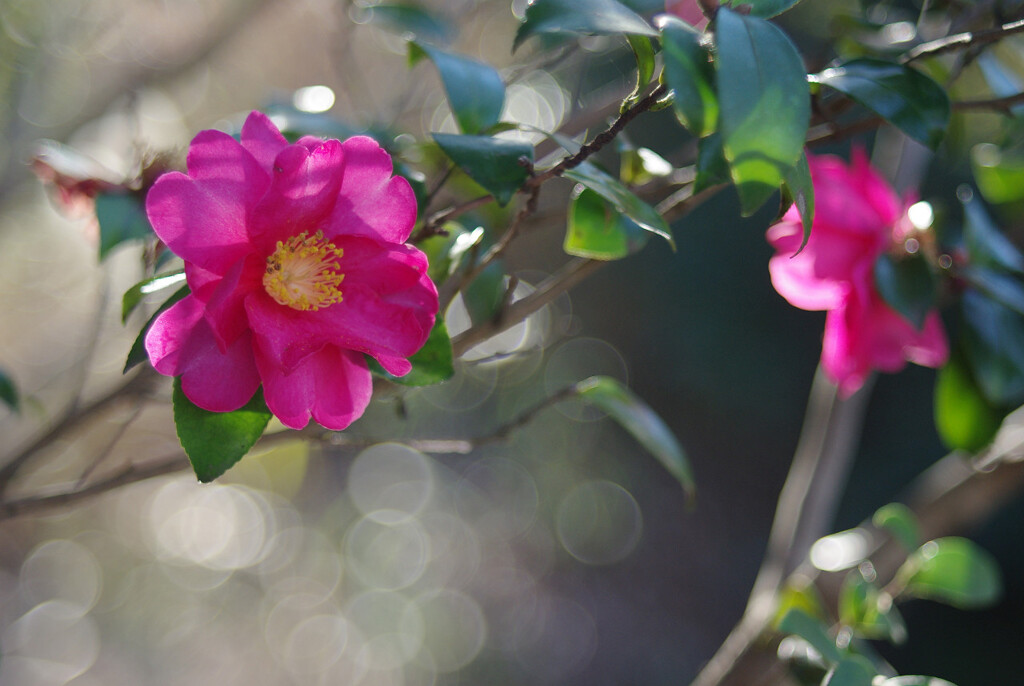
(304, 273)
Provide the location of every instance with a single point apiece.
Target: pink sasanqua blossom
(689, 11)
(858, 216)
(296, 259)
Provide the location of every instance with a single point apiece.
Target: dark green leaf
(598, 231)
(764, 104)
(993, 339)
(9, 392)
(475, 90)
(1003, 288)
(797, 189)
(643, 51)
(690, 75)
(853, 670)
(596, 17)
(494, 163)
(964, 419)
(769, 8)
(409, 19)
(712, 167)
(624, 201)
(134, 295)
(986, 244)
(636, 417)
(813, 631)
(900, 522)
(137, 353)
(432, 364)
(904, 97)
(215, 441)
(907, 285)
(868, 611)
(954, 571)
(121, 218)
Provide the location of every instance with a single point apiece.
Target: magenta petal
(333, 386)
(225, 169)
(383, 267)
(373, 202)
(169, 333)
(225, 306)
(262, 139)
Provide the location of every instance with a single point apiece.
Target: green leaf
(215, 441)
(903, 96)
(853, 670)
(475, 90)
(998, 173)
(986, 244)
(813, 631)
(636, 417)
(769, 8)
(598, 231)
(596, 17)
(137, 353)
(133, 296)
(954, 571)
(764, 104)
(624, 201)
(638, 166)
(9, 392)
(798, 189)
(712, 167)
(907, 285)
(964, 418)
(121, 218)
(900, 522)
(690, 75)
(432, 364)
(868, 611)
(643, 51)
(1003, 288)
(405, 18)
(494, 163)
(993, 339)
(915, 681)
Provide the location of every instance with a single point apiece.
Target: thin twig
(962, 41)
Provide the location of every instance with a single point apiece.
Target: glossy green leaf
(964, 418)
(9, 392)
(769, 8)
(598, 231)
(475, 90)
(954, 571)
(798, 189)
(622, 198)
(999, 174)
(764, 104)
(993, 340)
(712, 167)
(690, 75)
(412, 19)
(915, 681)
(432, 364)
(907, 285)
(215, 441)
(121, 218)
(1006, 289)
(986, 244)
(638, 166)
(903, 96)
(595, 17)
(137, 353)
(636, 417)
(494, 163)
(643, 51)
(799, 623)
(868, 611)
(134, 295)
(900, 522)
(853, 670)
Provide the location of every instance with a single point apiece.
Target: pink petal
(384, 267)
(687, 10)
(225, 306)
(373, 203)
(225, 168)
(333, 386)
(262, 139)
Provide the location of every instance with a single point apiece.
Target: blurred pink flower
(858, 216)
(689, 11)
(296, 260)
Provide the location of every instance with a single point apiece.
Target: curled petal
(262, 139)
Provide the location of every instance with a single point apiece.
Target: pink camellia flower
(858, 216)
(689, 11)
(296, 260)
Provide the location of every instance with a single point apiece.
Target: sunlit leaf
(964, 418)
(121, 218)
(622, 198)
(636, 417)
(690, 75)
(868, 611)
(903, 96)
(764, 104)
(900, 522)
(595, 17)
(915, 681)
(643, 51)
(412, 19)
(9, 392)
(432, 364)
(907, 285)
(134, 295)
(494, 163)
(852, 670)
(598, 231)
(137, 353)
(812, 630)
(475, 90)
(954, 571)
(999, 175)
(214, 441)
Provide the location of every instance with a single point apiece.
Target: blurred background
(565, 555)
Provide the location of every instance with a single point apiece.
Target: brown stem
(962, 41)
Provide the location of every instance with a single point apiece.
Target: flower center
(304, 272)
